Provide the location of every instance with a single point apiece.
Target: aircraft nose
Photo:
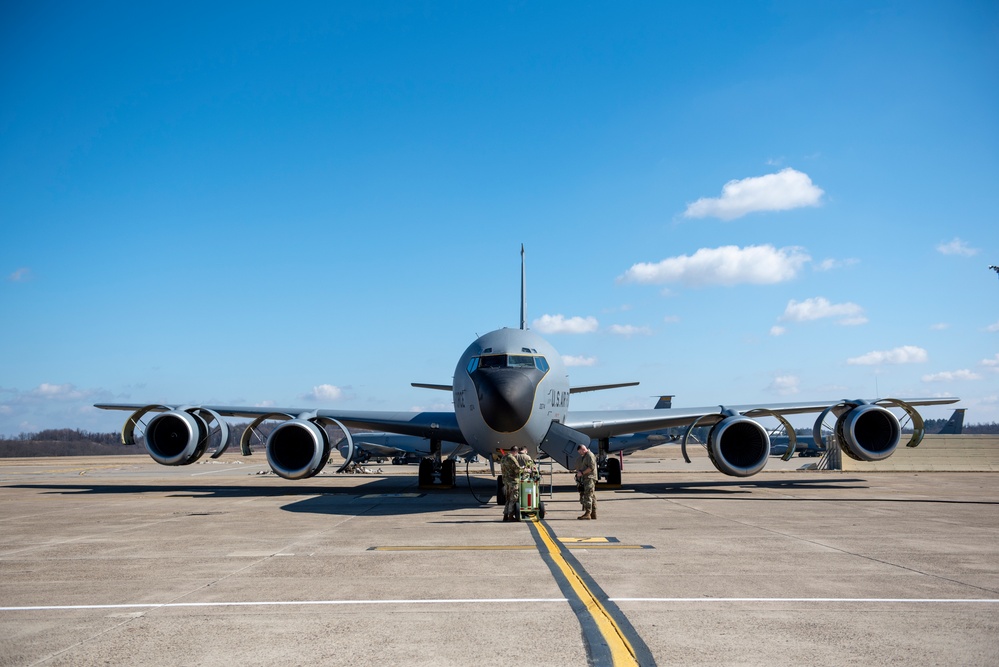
(506, 397)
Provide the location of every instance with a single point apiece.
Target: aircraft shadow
(400, 496)
(384, 496)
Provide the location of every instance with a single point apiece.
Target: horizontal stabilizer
(599, 387)
(441, 387)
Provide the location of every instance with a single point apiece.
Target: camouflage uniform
(587, 483)
(510, 468)
(525, 461)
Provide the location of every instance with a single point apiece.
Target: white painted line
(851, 600)
(276, 603)
(289, 603)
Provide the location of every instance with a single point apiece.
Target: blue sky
(277, 204)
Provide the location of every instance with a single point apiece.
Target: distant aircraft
(954, 425)
(510, 387)
(995, 268)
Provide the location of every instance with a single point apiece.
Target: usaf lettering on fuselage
(557, 399)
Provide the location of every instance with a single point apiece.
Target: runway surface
(120, 561)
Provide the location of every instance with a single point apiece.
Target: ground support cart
(529, 506)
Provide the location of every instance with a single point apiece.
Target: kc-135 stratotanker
(510, 387)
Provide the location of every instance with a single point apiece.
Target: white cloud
(56, 392)
(560, 324)
(570, 360)
(992, 363)
(776, 330)
(784, 385)
(939, 326)
(46, 390)
(957, 247)
(630, 330)
(671, 319)
(727, 265)
(819, 307)
(992, 328)
(830, 264)
(949, 376)
(907, 354)
(325, 392)
(21, 275)
(787, 189)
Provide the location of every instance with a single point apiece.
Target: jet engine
(298, 449)
(868, 432)
(176, 438)
(738, 446)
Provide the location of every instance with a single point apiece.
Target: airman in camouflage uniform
(510, 468)
(525, 460)
(586, 481)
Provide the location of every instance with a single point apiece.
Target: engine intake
(176, 438)
(868, 433)
(298, 449)
(738, 446)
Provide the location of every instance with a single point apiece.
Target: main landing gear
(437, 474)
(608, 467)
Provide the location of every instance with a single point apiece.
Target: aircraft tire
(613, 471)
(500, 491)
(448, 473)
(426, 473)
(541, 509)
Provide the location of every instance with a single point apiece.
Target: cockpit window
(520, 361)
(492, 361)
(508, 361)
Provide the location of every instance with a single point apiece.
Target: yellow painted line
(503, 547)
(588, 540)
(622, 653)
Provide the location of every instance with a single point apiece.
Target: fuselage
(509, 386)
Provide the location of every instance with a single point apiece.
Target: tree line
(76, 442)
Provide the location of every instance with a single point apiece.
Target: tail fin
(954, 425)
(523, 290)
(665, 402)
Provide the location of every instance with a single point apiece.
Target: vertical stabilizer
(523, 291)
(954, 425)
(665, 403)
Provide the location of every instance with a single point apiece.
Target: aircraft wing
(607, 423)
(441, 425)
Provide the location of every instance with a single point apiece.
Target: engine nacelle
(738, 446)
(298, 449)
(176, 438)
(868, 433)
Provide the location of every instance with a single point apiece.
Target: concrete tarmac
(112, 561)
